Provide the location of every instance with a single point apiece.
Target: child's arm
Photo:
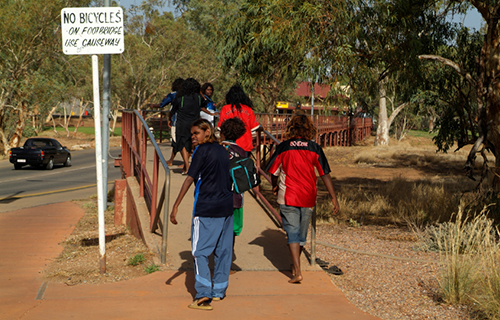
(208, 111)
(182, 193)
(327, 180)
(274, 180)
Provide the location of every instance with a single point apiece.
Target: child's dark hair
(205, 86)
(189, 87)
(236, 97)
(176, 85)
(205, 125)
(300, 126)
(233, 128)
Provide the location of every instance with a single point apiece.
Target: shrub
(136, 260)
(152, 268)
(462, 244)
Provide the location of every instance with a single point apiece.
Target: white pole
(312, 100)
(98, 160)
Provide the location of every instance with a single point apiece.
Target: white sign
(97, 30)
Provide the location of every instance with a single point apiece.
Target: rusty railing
(135, 137)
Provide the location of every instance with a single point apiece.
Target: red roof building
(304, 90)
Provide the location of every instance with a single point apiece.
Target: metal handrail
(138, 166)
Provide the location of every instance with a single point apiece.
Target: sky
(472, 19)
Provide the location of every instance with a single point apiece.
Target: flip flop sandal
(201, 304)
(184, 173)
(335, 270)
(322, 263)
(218, 298)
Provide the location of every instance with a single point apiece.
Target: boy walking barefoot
(294, 182)
(212, 224)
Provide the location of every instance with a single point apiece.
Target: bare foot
(296, 279)
(293, 270)
(204, 299)
(169, 163)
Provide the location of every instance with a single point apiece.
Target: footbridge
(150, 186)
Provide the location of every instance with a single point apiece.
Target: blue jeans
(296, 222)
(212, 235)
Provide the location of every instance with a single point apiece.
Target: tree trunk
(82, 111)
(382, 138)
(15, 140)
(490, 65)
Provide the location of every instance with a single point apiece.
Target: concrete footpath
(29, 239)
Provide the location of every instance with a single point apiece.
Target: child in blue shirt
(212, 224)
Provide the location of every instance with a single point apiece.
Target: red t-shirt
(294, 161)
(248, 117)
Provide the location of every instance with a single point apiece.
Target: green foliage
(32, 64)
(136, 260)
(159, 49)
(450, 95)
(152, 268)
(270, 43)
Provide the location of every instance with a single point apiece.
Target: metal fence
(135, 137)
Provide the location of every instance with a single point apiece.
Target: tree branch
(395, 113)
(452, 64)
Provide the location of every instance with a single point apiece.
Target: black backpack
(243, 173)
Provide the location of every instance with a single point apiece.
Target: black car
(41, 152)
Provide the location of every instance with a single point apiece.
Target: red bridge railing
(135, 137)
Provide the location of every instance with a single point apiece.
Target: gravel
(387, 288)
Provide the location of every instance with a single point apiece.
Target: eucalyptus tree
(159, 48)
(30, 53)
(386, 38)
(484, 81)
(272, 43)
(448, 96)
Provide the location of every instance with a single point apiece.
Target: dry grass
(79, 261)
(470, 256)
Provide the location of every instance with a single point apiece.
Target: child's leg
(172, 156)
(295, 253)
(203, 242)
(185, 158)
(296, 222)
(223, 257)
(238, 220)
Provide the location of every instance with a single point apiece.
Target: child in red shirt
(293, 166)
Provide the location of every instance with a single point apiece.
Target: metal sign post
(92, 31)
(98, 161)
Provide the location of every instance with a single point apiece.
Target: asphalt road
(31, 187)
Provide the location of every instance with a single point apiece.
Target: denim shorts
(296, 223)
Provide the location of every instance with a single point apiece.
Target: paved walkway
(29, 239)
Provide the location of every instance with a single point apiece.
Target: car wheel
(67, 163)
(50, 164)
(17, 166)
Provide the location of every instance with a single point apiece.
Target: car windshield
(38, 143)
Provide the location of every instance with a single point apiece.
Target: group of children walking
(218, 212)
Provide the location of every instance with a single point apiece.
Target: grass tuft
(152, 268)
(462, 244)
(136, 260)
